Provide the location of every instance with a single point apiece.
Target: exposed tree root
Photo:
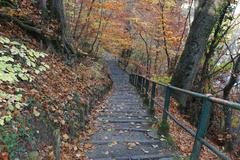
(58, 45)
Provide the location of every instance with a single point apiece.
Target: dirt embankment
(58, 102)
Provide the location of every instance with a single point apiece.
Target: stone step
(111, 120)
(125, 111)
(127, 150)
(125, 108)
(133, 129)
(124, 119)
(143, 157)
(123, 125)
(123, 132)
(122, 107)
(127, 116)
(139, 142)
(126, 129)
(125, 99)
(125, 103)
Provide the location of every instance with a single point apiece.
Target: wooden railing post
(151, 109)
(166, 103)
(202, 128)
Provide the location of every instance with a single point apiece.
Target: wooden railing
(147, 88)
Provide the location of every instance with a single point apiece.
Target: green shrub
(13, 134)
(162, 79)
(163, 128)
(17, 63)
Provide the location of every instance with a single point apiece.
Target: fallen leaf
(145, 151)
(51, 155)
(131, 145)
(63, 122)
(75, 148)
(155, 146)
(112, 144)
(121, 132)
(88, 146)
(78, 155)
(65, 137)
(4, 156)
(35, 112)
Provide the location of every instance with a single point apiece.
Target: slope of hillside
(53, 103)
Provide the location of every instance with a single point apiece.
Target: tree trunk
(78, 18)
(187, 68)
(58, 11)
(165, 37)
(98, 30)
(217, 37)
(87, 19)
(156, 63)
(226, 92)
(147, 52)
(43, 8)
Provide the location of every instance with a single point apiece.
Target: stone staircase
(125, 127)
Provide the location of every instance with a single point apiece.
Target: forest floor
(49, 98)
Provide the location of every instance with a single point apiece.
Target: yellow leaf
(88, 146)
(65, 137)
(35, 112)
(1, 122)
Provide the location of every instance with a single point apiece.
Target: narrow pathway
(125, 127)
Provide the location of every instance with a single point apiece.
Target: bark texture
(227, 110)
(58, 11)
(217, 37)
(206, 16)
